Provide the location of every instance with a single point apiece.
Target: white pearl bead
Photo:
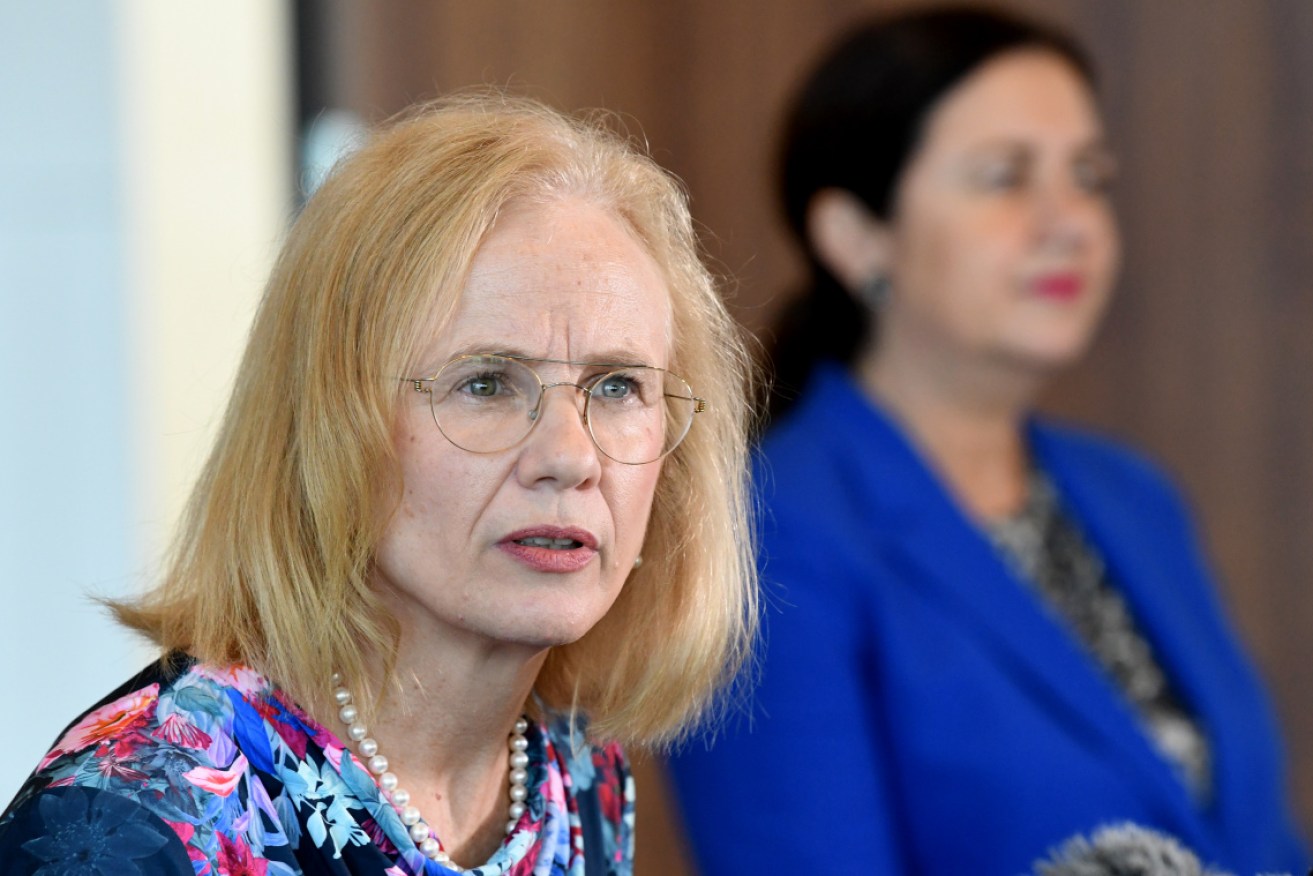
(419, 830)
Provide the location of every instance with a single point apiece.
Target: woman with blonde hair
(475, 518)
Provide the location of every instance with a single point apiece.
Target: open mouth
(551, 548)
(553, 544)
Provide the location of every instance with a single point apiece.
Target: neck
(444, 726)
(965, 417)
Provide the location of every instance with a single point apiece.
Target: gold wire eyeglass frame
(425, 385)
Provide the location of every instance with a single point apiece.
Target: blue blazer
(920, 711)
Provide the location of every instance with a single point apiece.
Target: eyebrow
(1093, 144)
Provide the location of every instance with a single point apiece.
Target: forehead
(563, 279)
(1022, 94)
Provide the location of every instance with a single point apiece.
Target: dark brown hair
(853, 125)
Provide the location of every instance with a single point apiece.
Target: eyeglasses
(485, 403)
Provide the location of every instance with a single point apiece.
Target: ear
(848, 239)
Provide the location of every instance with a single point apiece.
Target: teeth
(556, 544)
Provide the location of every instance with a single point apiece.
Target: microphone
(1123, 850)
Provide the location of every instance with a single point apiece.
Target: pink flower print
(246, 680)
(185, 833)
(378, 836)
(180, 731)
(221, 782)
(184, 830)
(237, 859)
(113, 766)
(117, 719)
(334, 755)
(290, 724)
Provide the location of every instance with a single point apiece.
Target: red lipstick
(1058, 286)
(557, 549)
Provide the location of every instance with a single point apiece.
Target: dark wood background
(1205, 361)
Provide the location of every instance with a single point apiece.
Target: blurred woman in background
(986, 632)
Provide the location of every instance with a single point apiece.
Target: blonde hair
(271, 565)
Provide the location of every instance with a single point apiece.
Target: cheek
(938, 237)
(443, 488)
(630, 501)
(946, 263)
(1108, 245)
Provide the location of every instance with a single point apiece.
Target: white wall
(144, 184)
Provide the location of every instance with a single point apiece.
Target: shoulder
(829, 406)
(169, 709)
(77, 829)
(1087, 456)
(157, 754)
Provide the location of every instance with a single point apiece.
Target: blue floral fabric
(196, 770)
(83, 831)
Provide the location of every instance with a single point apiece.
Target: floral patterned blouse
(192, 769)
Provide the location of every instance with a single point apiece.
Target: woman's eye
(1001, 175)
(1096, 175)
(482, 387)
(615, 386)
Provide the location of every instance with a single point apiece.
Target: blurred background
(154, 151)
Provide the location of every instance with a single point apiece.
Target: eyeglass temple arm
(700, 408)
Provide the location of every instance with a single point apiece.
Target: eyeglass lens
(489, 403)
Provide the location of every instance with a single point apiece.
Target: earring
(874, 291)
(638, 561)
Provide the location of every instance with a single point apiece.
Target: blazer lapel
(1148, 555)
(962, 572)
(922, 529)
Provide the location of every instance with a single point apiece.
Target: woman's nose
(559, 448)
(1070, 215)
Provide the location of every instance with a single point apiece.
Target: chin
(1054, 353)
(547, 625)
(539, 637)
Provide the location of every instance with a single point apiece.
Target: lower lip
(1062, 287)
(542, 559)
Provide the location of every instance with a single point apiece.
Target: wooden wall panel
(1205, 361)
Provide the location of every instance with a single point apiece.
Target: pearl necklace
(420, 832)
